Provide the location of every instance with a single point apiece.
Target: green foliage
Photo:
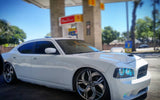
(108, 35)
(158, 25)
(48, 35)
(18, 35)
(144, 28)
(5, 45)
(10, 34)
(124, 35)
(121, 39)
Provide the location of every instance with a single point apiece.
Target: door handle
(35, 58)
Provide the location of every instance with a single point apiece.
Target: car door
(22, 60)
(46, 67)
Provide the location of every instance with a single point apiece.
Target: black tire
(106, 93)
(1, 64)
(9, 75)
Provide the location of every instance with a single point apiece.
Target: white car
(117, 49)
(73, 65)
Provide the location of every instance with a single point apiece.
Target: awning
(68, 3)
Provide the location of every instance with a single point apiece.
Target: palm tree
(136, 3)
(154, 12)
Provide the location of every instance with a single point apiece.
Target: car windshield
(75, 46)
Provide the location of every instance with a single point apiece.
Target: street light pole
(154, 25)
(127, 21)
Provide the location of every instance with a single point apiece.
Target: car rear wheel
(90, 84)
(9, 73)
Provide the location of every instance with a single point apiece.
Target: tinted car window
(27, 48)
(75, 46)
(42, 45)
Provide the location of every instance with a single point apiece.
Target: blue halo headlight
(123, 73)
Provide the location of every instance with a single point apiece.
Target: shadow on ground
(25, 91)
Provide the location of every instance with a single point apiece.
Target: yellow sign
(92, 2)
(128, 46)
(102, 6)
(78, 18)
(71, 29)
(128, 50)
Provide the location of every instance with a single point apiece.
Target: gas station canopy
(84, 26)
(45, 3)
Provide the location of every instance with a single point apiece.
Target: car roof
(65, 39)
(42, 39)
(46, 39)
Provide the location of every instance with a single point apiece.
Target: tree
(4, 26)
(136, 3)
(5, 33)
(48, 35)
(10, 34)
(154, 13)
(158, 27)
(158, 35)
(18, 35)
(144, 29)
(108, 35)
(125, 35)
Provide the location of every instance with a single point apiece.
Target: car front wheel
(90, 84)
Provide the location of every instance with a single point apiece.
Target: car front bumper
(122, 89)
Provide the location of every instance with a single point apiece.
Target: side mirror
(50, 50)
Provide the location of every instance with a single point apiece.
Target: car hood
(111, 57)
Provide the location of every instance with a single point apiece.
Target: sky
(35, 21)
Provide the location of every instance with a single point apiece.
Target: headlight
(123, 73)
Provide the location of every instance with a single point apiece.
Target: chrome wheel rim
(90, 85)
(8, 72)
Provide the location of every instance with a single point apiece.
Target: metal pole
(154, 26)
(127, 21)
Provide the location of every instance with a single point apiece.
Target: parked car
(117, 49)
(143, 46)
(74, 65)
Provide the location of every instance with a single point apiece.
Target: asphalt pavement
(154, 68)
(25, 91)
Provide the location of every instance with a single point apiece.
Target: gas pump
(72, 26)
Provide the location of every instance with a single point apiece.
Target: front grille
(142, 71)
